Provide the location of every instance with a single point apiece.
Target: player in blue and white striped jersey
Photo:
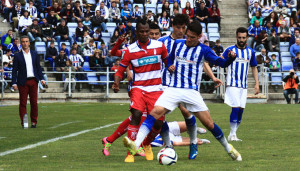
(188, 56)
(236, 81)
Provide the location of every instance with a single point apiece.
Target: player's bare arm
(255, 75)
(116, 84)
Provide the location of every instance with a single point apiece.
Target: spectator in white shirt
(24, 22)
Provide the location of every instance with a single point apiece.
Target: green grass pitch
(270, 135)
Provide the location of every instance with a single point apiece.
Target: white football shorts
(236, 97)
(172, 97)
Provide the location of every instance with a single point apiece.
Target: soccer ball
(167, 156)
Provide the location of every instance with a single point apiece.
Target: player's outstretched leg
(239, 120)
(192, 131)
(233, 124)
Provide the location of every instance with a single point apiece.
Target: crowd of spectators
(47, 21)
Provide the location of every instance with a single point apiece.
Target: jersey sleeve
(172, 55)
(164, 54)
(212, 58)
(253, 61)
(225, 53)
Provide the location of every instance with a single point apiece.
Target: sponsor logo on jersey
(148, 60)
(184, 60)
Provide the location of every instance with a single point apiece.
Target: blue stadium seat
(284, 46)
(111, 27)
(276, 77)
(213, 36)
(159, 8)
(93, 78)
(72, 28)
(103, 78)
(106, 37)
(286, 66)
(203, 27)
(286, 59)
(141, 8)
(151, 7)
(212, 28)
(40, 48)
(86, 66)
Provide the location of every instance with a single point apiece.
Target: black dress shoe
(33, 126)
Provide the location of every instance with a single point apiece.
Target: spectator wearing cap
(62, 32)
(295, 48)
(77, 12)
(253, 32)
(114, 13)
(34, 32)
(126, 13)
(273, 42)
(24, 22)
(67, 13)
(218, 48)
(98, 21)
(201, 13)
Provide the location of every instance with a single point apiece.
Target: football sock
(122, 128)
(217, 132)
(233, 120)
(132, 131)
(151, 136)
(144, 130)
(239, 120)
(165, 134)
(191, 128)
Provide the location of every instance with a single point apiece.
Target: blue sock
(240, 114)
(217, 132)
(234, 115)
(191, 128)
(165, 134)
(144, 130)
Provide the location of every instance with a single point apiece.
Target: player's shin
(239, 120)
(217, 132)
(233, 121)
(165, 134)
(122, 128)
(144, 130)
(191, 128)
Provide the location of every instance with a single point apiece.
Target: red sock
(132, 131)
(120, 131)
(151, 136)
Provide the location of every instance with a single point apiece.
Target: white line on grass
(63, 124)
(2, 137)
(54, 139)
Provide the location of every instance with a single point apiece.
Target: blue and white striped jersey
(168, 41)
(238, 70)
(188, 62)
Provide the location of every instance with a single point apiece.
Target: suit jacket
(260, 59)
(19, 72)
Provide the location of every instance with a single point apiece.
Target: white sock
(143, 132)
(224, 142)
(233, 128)
(166, 138)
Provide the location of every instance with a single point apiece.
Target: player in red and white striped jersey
(145, 57)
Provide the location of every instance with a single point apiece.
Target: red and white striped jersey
(145, 60)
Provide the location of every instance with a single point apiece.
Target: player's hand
(171, 68)
(43, 82)
(256, 88)
(15, 87)
(129, 76)
(115, 87)
(231, 54)
(218, 82)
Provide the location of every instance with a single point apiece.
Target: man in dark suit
(26, 74)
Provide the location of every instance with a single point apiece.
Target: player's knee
(156, 113)
(209, 125)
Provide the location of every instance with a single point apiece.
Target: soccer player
(236, 90)
(186, 64)
(179, 26)
(146, 56)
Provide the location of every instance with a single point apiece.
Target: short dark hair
(195, 27)
(24, 37)
(181, 19)
(5, 63)
(296, 30)
(8, 50)
(141, 22)
(297, 53)
(273, 55)
(63, 44)
(241, 30)
(153, 26)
